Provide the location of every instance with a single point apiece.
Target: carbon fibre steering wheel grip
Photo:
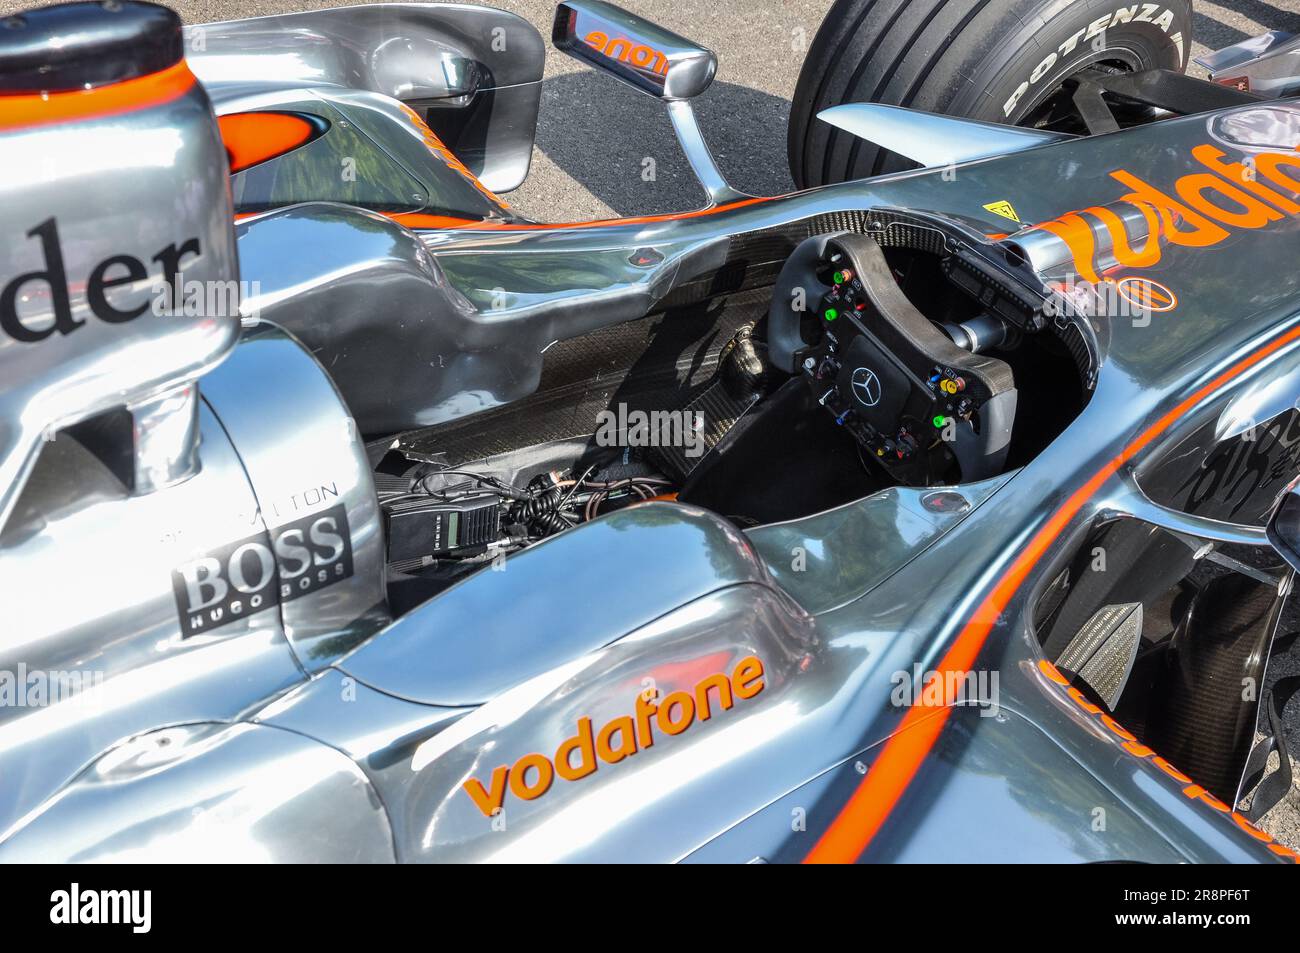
(794, 301)
(879, 366)
(992, 60)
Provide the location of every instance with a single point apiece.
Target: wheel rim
(1054, 110)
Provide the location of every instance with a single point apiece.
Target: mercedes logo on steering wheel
(866, 386)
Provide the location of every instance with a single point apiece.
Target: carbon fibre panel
(659, 362)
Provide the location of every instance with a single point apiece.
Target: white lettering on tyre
(1068, 46)
(1139, 12)
(1041, 70)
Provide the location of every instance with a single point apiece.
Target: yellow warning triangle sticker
(1005, 210)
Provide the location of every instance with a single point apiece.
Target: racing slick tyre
(993, 60)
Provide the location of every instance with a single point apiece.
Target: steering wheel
(916, 401)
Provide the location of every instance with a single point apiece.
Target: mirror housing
(641, 54)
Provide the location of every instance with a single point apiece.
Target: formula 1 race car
(943, 510)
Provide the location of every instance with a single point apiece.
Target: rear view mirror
(654, 60)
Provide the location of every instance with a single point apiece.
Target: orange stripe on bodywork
(1130, 744)
(420, 220)
(429, 222)
(252, 138)
(19, 110)
(439, 149)
(900, 758)
(425, 221)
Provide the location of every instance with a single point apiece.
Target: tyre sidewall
(1063, 38)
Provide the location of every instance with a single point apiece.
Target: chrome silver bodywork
(124, 647)
(63, 358)
(480, 64)
(1268, 64)
(318, 728)
(202, 791)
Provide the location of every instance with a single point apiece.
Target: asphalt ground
(594, 135)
